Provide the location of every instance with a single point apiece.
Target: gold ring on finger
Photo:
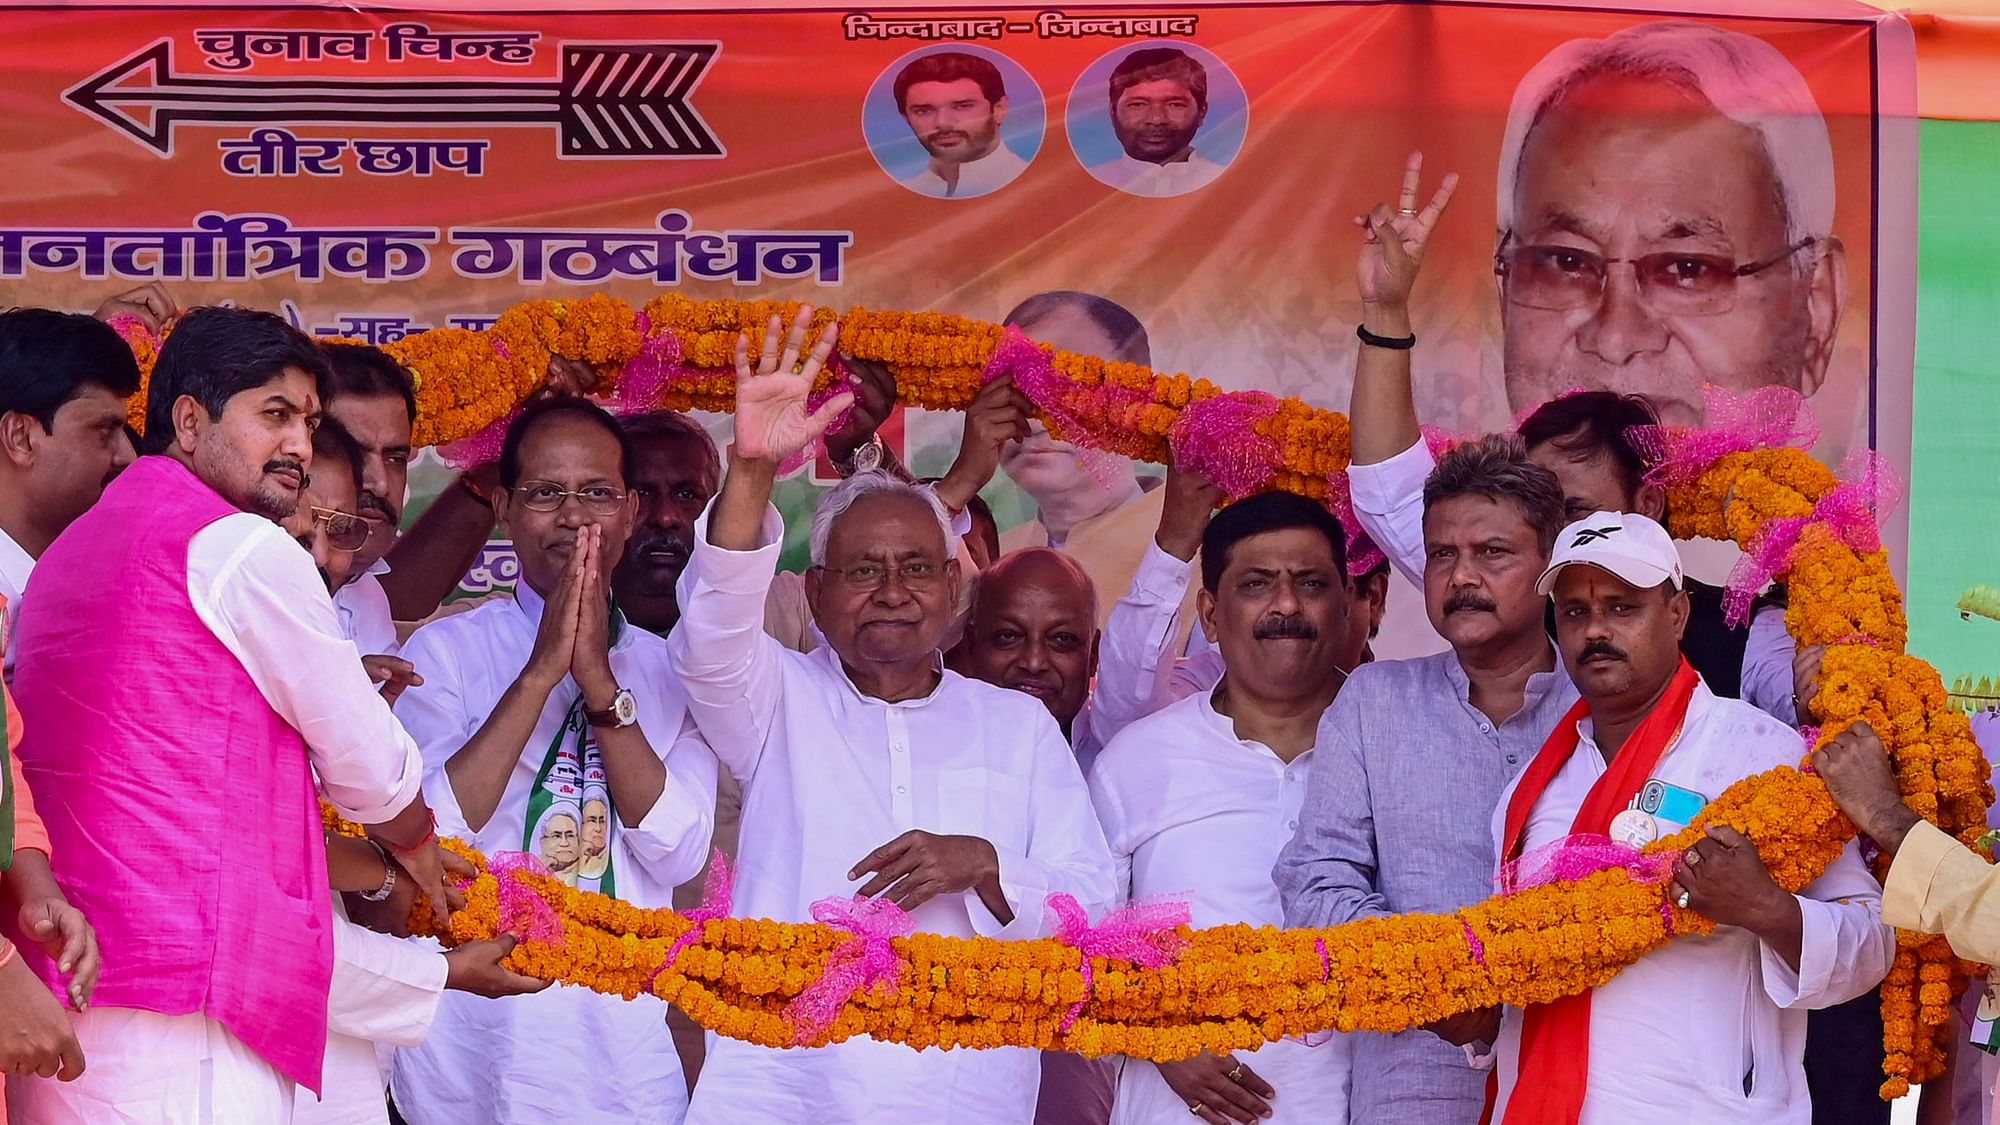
(1196, 1108)
(1236, 1075)
(1406, 211)
(1693, 857)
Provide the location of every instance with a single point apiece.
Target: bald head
(1033, 628)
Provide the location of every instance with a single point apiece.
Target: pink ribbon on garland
(1574, 857)
(717, 893)
(1144, 933)
(1772, 418)
(1218, 438)
(1869, 489)
(867, 958)
(523, 913)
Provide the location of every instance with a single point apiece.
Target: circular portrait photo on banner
(1157, 119)
(954, 122)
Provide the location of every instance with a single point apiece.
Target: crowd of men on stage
(1145, 693)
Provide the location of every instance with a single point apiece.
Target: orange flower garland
(468, 380)
(1235, 986)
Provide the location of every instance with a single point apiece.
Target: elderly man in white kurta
(1198, 799)
(866, 767)
(549, 725)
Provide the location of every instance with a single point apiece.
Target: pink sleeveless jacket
(180, 804)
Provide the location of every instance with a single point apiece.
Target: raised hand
(874, 398)
(150, 302)
(998, 414)
(771, 418)
(1393, 239)
(1191, 500)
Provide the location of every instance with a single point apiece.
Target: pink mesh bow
(1771, 418)
(643, 384)
(863, 960)
(1144, 933)
(1086, 415)
(717, 891)
(1574, 857)
(1362, 553)
(523, 913)
(1217, 437)
(1869, 488)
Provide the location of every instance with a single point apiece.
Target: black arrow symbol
(608, 100)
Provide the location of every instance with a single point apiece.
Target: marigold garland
(1234, 987)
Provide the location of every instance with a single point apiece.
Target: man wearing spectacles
(533, 709)
(866, 767)
(1665, 212)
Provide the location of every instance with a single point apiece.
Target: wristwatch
(866, 456)
(623, 712)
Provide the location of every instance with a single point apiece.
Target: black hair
(215, 354)
(949, 66)
(1497, 468)
(544, 409)
(47, 358)
(1152, 64)
(1129, 342)
(1592, 422)
(332, 440)
(1267, 512)
(364, 371)
(672, 425)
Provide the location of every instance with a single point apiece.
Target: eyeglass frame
(1737, 272)
(325, 516)
(563, 496)
(902, 579)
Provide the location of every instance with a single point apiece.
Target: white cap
(1626, 544)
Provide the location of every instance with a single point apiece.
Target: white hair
(1744, 78)
(873, 482)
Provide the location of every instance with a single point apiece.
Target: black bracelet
(1394, 343)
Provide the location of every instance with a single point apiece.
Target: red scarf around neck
(1554, 1070)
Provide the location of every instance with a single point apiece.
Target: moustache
(1602, 648)
(368, 500)
(1285, 629)
(284, 464)
(682, 542)
(1468, 600)
(946, 134)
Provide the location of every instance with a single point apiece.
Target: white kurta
(829, 775)
(989, 173)
(566, 1054)
(385, 990)
(1194, 812)
(363, 607)
(1143, 177)
(1711, 1029)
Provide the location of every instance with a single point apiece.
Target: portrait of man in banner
(1665, 212)
(1158, 103)
(955, 104)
